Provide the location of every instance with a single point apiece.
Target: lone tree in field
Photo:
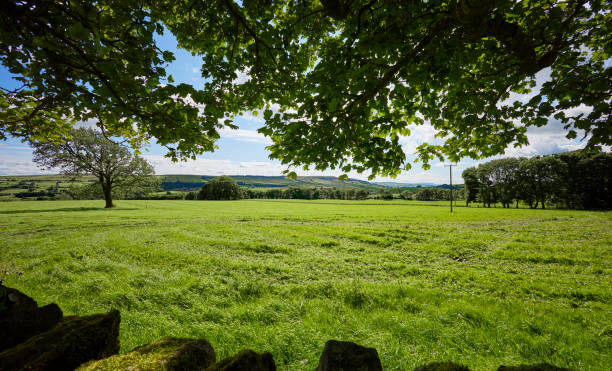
(220, 188)
(87, 152)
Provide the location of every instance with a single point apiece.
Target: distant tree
(486, 190)
(470, 180)
(386, 195)
(543, 178)
(425, 194)
(220, 188)
(588, 182)
(145, 188)
(502, 175)
(86, 151)
(526, 182)
(361, 194)
(407, 195)
(87, 191)
(350, 194)
(577, 179)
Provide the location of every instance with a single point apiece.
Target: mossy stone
(168, 353)
(73, 341)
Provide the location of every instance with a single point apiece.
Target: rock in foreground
(21, 318)
(246, 360)
(73, 341)
(169, 354)
(345, 356)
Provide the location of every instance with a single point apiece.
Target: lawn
(482, 287)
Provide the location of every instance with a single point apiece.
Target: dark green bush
(220, 188)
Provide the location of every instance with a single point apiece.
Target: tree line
(308, 193)
(225, 188)
(575, 180)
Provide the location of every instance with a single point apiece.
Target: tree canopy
(83, 60)
(89, 152)
(339, 82)
(577, 180)
(220, 188)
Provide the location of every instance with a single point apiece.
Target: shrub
(220, 188)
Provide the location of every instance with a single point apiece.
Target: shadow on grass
(64, 209)
(346, 202)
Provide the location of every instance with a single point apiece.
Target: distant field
(51, 185)
(482, 287)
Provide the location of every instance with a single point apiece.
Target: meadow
(482, 287)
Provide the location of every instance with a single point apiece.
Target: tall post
(450, 173)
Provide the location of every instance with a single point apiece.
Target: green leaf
(168, 56)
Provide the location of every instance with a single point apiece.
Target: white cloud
(14, 148)
(21, 165)
(243, 76)
(90, 124)
(204, 166)
(244, 135)
(418, 175)
(249, 116)
(419, 134)
(540, 78)
(546, 140)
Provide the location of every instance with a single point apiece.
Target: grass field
(482, 287)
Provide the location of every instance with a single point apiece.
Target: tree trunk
(108, 197)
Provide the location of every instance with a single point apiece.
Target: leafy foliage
(470, 180)
(309, 193)
(338, 82)
(361, 72)
(80, 60)
(220, 188)
(579, 179)
(89, 152)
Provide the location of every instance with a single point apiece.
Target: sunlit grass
(482, 287)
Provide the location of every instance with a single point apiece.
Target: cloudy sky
(243, 151)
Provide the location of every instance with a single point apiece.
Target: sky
(243, 151)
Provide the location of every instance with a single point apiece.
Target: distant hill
(416, 185)
(194, 182)
(11, 185)
(46, 186)
(404, 185)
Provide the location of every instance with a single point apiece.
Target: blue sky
(243, 152)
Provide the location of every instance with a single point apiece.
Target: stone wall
(40, 338)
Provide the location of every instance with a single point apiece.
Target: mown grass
(482, 287)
